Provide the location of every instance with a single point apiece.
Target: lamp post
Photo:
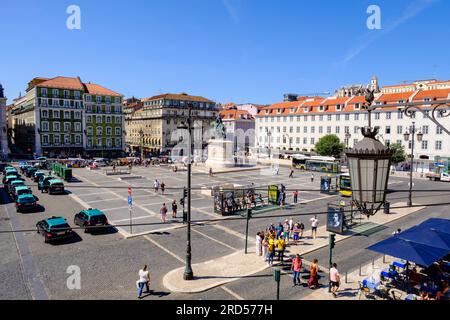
(269, 134)
(188, 273)
(412, 132)
(141, 134)
(348, 135)
(369, 162)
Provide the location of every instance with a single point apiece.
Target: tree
(399, 153)
(329, 146)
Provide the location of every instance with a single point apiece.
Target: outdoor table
(370, 283)
(399, 264)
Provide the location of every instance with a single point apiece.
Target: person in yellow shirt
(270, 251)
(281, 245)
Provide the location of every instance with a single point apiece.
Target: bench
(111, 172)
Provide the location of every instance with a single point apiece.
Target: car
(13, 184)
(24, 168)
(37, 175)
(10, 177)
(90, 219)
(10, 170)
(55, 186)
(20, 190)
(41, 158)
(30, 171)
(100, 162)
(26, 202)
(54, 228)
(43, 182)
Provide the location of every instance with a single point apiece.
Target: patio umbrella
(442, 225)
(418, 253)
(427, 235)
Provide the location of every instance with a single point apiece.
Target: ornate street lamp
(369, 162)
(412, 131)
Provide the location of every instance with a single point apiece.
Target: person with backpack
(297, 268)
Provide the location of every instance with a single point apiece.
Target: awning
(442, 225)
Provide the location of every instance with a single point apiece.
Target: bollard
(384, 258)
(346, 277)
(360, 270)
(373, 262)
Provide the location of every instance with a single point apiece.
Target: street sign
(130, 201)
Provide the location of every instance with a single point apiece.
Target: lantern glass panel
(354, 177)
(367, 176)
(382, 174)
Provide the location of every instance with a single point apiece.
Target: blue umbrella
(442, 225)
(418, 253)
(426, 235)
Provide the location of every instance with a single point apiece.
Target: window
(329, 117)
(118, 142)
(108, 119)
(88, 119)
(356, 116)
(45, 139)
(399, 130)
(377, 116)
(320, 129)
(338, 129)
(329, 129)
(66, 114)
(44, 114)
(66, 126)
(56, 114)
(118, 131)
(98, 99)
(313, 141)
(56, 126)
(77, 95)
(298, 129)
(355, 130)
(305, 140)
(44, 94)
(99, 142)
(99, 119)
(305, 129)
(338, 117)
(313, 129)
(108, 109)
(108, 100)
(313, 118)
(117, 109)
(425, 129)
(89, 142)
(357, 106)
(347, 117)
(347, 129)
(438, 145)
(89, 131)
(388, 115)
(45, 126)
(388, 130)
(108, 131)
(88, 98)
(66, 94)
(66, 139)
(438, 130)
(399, 114)
(77, 115)
(77, 139)
(284, 129)
(77, 126)
(56, 139)
(55, 93)
(99, 131)
(424, 145)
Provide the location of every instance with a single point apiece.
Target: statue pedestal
(220, 154)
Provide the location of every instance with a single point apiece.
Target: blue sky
(225, 50)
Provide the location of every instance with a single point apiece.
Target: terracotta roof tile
(181, 96)
(62, 83)
(439, 94)
(96, 89)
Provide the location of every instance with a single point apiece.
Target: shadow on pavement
(74, 239)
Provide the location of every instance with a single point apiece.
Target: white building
(240, 128)
(298, 125)
(4, 150)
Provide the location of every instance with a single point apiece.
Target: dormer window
(357, 106)
(278, 110)
(292, 110)
(321, 108)
(401, 101)
(305, 109)
(338, 107)
(427, 100)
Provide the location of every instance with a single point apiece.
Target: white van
(100, 162)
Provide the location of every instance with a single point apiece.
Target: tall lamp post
(269, 134)
(412, 131)
(369, 162)
(141, 134)
(188, 273)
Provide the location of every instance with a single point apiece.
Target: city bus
(345, 186)
(299, 161)
(316, 163)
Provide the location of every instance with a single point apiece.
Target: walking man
(174, 208)
(314, 224)
(295, 196)
(163, 186)
(297, 268)
(291, 174)
(281, 245)
(163, 212)
(335, 279)
(144, 280)
(312, 177)
(156, 185)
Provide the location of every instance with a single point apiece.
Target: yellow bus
(345, 185)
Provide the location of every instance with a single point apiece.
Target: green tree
(399, 153)
(329, 146)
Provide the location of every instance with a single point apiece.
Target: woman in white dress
(264, 248)
(258, 244)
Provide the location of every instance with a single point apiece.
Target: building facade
(298, 125)
(4, 150)
(152, 126)
(240, 128)
(65, 117)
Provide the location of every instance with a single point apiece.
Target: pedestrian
(144, 280)
(297, 268)
(291, 227)
(291, 174)
(313, 281)
(281, 245)
(286, 230)
(283, 199)
(301, 227)
(163, 186)
(296, 232)
(270, 251)
(210, 172)
(335, 279)
(156, 185)
(295, 196)
(258, 244)
(265, 244)
(277, 170)
(279, 230)
(312, 177)
(129, 168)
(163, 212)
(396, 232)
(314, 224)
(174, 208)
(114, 167)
